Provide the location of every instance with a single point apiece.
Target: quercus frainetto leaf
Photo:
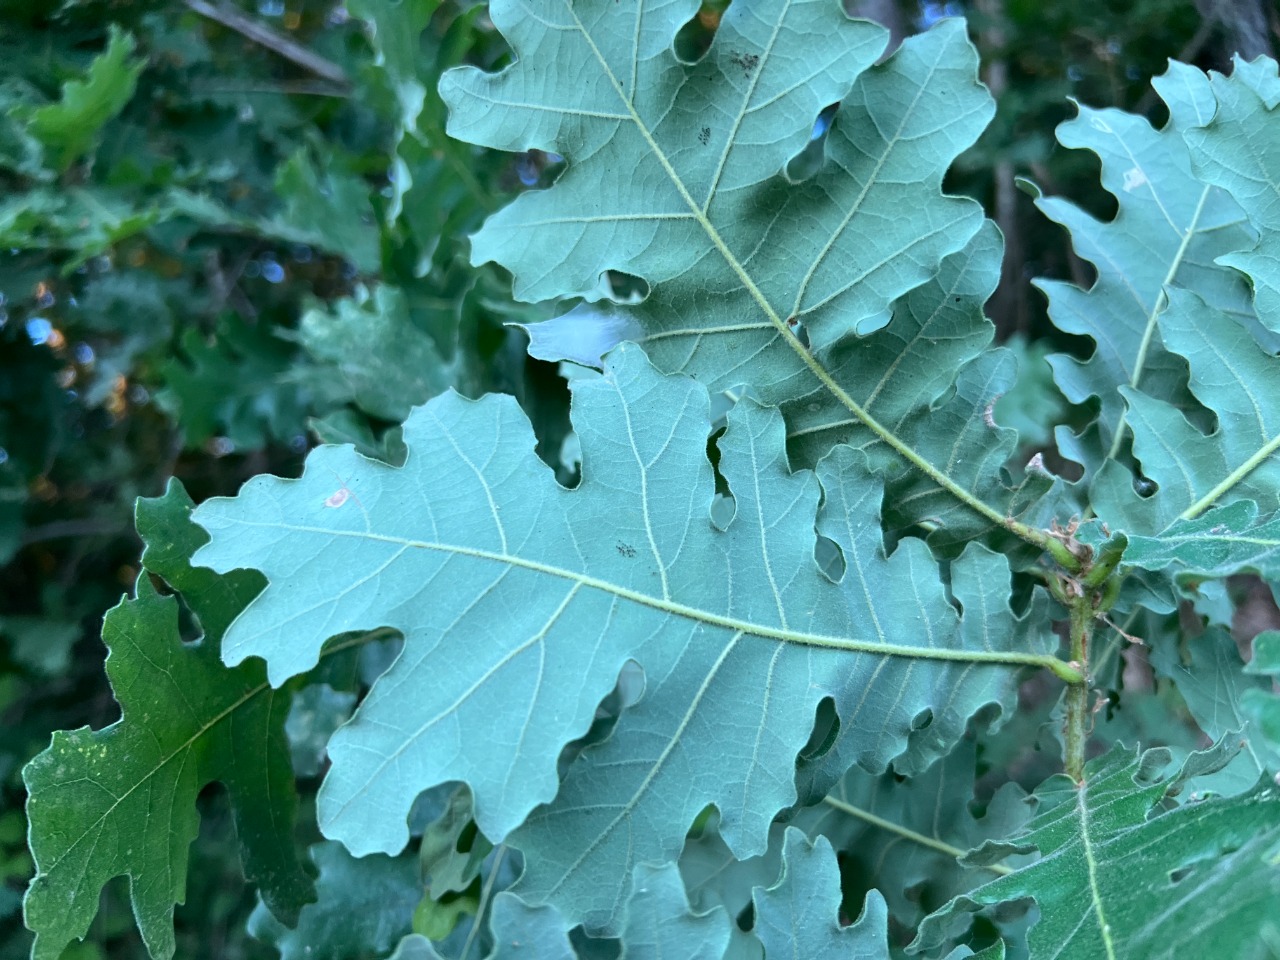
(1168, 230)
(1218, 690)
(796, 913)
(521, 601)
(676, 175)
(1193, 469)
(932, 378)
(1222, 542)
(799, 915)
(122, 801)
(1117, 878)
(908, 833)
(372, 354)
(363, 907)
(1240, 153)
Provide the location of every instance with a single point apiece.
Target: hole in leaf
(723, 505)
(808, 161)
(466, 837)
(538, 169)
(706, 820)
(1180, 874)
(693, 40)
(631, 683)
(624, 288)
(374, 658)
(588, 946)
(829, 558)
(626, 692)
(826, 728)
(1144, 486)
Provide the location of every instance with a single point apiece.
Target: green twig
(1077, 723)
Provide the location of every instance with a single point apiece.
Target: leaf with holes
(677, 174)
(521, 601)
(1168, 232)
(1239, 152)
(1195, 468)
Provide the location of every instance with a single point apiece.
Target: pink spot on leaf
(338, 498)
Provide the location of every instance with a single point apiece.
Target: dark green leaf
(123, 800)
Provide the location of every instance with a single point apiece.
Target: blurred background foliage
(229, 231)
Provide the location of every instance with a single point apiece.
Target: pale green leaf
(714, 877)
(451, 850)
(122, 801)
(523, 932)
(1262, 706)
(370, 353)
(660, 923)
(909, 834)
(1215, 685)
(520, 932)
(1193, 469)
(1118, 879)
(1168, 232)
(521, 601)
(932, 378)
(349, 426)
(415, 947)
(363, 907)
(676, 173)
(799, 915)
(1240, 152)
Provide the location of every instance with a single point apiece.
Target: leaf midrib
(1030, 534)
(673, 608)
(1091, 862)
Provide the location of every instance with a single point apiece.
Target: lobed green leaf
(122, 801)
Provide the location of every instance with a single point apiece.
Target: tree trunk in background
(1246, 27)
(1008, 305)
(888, 13)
